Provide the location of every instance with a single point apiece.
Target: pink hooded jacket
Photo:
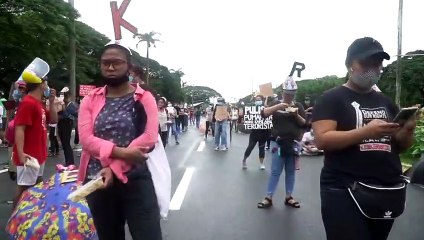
(102, 149)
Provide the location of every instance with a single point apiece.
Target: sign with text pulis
(253, 119)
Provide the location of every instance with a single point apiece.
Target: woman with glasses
(118, 124)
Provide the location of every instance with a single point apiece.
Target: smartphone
(405, 113)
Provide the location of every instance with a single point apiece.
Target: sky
(234, 46)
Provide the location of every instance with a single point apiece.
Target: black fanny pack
(379, 202)
(287, 146)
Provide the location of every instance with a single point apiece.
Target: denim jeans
(278, 164)
(173, 129)
(221, 133)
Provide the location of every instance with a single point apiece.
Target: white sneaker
(224, 149)
(262, 166)
(217, 149)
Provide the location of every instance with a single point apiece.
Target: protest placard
(221, 112)
(266, 90)
(84, 90)
(253, 119)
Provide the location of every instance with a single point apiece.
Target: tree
(412, 79)
(196, 94)
(39, 28)
(150, 40)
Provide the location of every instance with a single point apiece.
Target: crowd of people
(119, 124)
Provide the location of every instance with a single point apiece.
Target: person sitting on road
(308, 144)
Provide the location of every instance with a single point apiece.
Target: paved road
(220, 202)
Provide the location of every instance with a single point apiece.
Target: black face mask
(115, 82)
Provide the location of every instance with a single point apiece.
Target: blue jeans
(198, 122)
(277, 166)
(173, 128)
(221, 133)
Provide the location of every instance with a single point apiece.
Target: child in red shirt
(31, 133)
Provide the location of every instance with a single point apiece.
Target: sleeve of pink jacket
(98, 148)
(150, 135)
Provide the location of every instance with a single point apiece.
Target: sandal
(292, 203)
(266, 203)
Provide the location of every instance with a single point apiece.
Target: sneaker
(217, 149)
(267, 148)
(244, 165)
(262, 166)
(224, 149)
(177, 143)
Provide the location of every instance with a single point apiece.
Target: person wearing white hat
(31, 126)
(288, 119)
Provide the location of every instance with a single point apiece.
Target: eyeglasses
(116, 63)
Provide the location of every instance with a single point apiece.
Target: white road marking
(4, 170)
(201, 146)
(178, 198)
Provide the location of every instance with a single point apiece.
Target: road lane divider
(179, 195)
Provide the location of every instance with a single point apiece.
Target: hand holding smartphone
(405, 114)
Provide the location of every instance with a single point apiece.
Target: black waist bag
(379, 202)
(287, 147)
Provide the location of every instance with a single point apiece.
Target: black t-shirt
(285, 124)
(373, 160)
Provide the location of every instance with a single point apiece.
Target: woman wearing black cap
(361, 186)
(118, 124)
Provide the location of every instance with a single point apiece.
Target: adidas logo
(388, 214)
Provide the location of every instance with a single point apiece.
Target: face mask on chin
(116, 81)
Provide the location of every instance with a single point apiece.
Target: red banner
(84, 90)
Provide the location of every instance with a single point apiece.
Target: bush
(418, 148)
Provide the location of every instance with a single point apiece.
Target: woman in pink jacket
(115, 136)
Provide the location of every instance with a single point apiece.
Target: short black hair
(117, 46)
(31, 87)
(138, 70)
(67, 94)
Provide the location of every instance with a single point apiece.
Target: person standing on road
(198, 116)
(65, 125)
(172, 124)
(31, 132)
(288, 119)
(361, 149)
(163, 120)
(209, 121)
(118, 124)
(221, 127)
(259, 136)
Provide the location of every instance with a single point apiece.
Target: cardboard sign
(84, 90)
(221, 112)
(266, 90)
(253, 119)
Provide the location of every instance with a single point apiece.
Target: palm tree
(150, 39)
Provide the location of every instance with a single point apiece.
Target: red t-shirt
(34, 116)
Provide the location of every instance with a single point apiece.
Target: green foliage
(196, 94)
(41, 28)
(412, 77)
(309, 88)
(418, 148)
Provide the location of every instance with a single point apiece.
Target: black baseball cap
(363, 48)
